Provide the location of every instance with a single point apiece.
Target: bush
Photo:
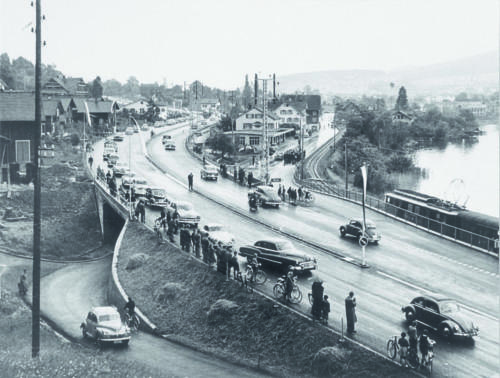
(330, 360)
(221, 310)
(136, 261)
(75, 140)
(170, 292)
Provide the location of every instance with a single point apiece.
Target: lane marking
(472, 309)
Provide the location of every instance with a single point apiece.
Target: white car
(120, 169)
(209, 172)
(104, 325)
(187, 215)
(217, 233)
(169, 145)
(140, 185)
(129, 131)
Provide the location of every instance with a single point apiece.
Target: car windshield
(141, 182)
(214, 228)
(158, 192)
(284, 245)
(109, 317)
(448, 307)
(211, 169)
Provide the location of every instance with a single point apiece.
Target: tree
(221, 142)
(247, 94)
(402, 101)
(112, 87)
(96, 89)
(226, 123)
(6, 73)
(132, 88)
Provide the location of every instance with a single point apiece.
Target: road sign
(363, 241)
(276, 179)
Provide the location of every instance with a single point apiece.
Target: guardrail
(464, 237)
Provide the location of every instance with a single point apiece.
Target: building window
(258, 115)
(254, 141)
(282, 111)
(23, 151)
(247, 126)
(241, 140)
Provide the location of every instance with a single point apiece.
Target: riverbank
(198, 307)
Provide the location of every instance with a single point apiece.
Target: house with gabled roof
(65, 86)
(398, 116)
(249, 130)
(290, 116)
(17, 128)
(102, 112)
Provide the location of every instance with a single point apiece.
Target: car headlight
(455, 327)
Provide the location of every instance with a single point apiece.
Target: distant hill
(471, 73)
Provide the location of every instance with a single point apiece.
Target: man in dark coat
(350, 311)
(235, 174)
(317, 293)
(204, 246)
(325, 309)
(241, 175)
(190, 181)
(235, 264)
(170, 229)
(196, 238)
(227, 259)
(250, 179)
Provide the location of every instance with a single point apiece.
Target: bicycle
(255, 275)
(132, 322)
(279, 290)
(244, 282)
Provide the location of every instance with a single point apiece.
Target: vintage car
(170, 145)
(216, 233)
(145, 127)
(129, 131)
(118, 137)
(104, 325)
(266, 196)
(279, 252)
(187, 215)
(165, 138)
(112, 159)
(209, 172)
(120, 169)
(156, 197)
(355, 228)
(110, 147)
(440, 314)
(140, 187)
(126, 187)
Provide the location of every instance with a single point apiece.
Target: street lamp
(363, 241)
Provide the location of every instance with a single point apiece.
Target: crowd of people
(294, 194)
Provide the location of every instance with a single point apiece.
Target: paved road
(70, 292)
(402, 266)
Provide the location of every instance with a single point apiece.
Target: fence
(444, 230)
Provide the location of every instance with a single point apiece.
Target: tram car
(447, 218)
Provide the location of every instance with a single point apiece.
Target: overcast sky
(218, 41)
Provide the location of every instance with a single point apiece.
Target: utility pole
(345, 168)
(35, 322)
(264, 110)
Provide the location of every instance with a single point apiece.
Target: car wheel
(445, 331)
(342, 232)
(410, 315)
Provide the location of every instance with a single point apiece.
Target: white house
(139, 107)
(288, 114)
(249, 129)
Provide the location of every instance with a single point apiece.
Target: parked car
(140, 187)
(169, 146)
(217, 233)
(209, 172)
(104, 325)
(156, 197)
(129, 131)
(266, 196)
(118, 137)
(440, 314)
(355, 228)
(126, 186)
(279, 252)
(187, 215)
(120, 169)
(112, 159)
(279, 156)
(165, 138)
(110, 147)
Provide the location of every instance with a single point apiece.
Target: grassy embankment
(177, 294)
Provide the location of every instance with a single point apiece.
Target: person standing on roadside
(235, 264)
(227, 258)
(190, 181)
(235, 174)
(250, 179)
(196, 238)
(325, 309)
(170, 229)
(350, 311)
(204, 246)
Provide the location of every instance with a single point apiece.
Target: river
(464, 172)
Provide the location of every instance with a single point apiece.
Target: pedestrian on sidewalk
(350, 311)
(204, 246)
(190, 181)
(91, 161)
(289, 192)
(300, 193)
(325, 309)
(235, 264)
(170, 229)
(227, 258)
(250, 179)
(235, 174)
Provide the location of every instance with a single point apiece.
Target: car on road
(145, 127)
(217, 233)
(187, 215)
(209, 172)
(440, 314)
(279, 156)
(156, 197)
(118, 137)
(140, 187)
(113, 159)
(266, 196)
(169, 146)
(129, 131)
(355, 228)
(165, 138)
(120, 169)
(280, 252)
(104, 325)
(110, 147)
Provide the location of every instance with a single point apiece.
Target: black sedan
(440, 314)
(279, 252)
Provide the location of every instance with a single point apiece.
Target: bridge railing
(100, 181)
(444, 230)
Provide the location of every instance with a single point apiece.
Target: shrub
(136, 261)
(75, 140)
(221, 310)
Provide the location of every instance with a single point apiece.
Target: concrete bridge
(112, 211)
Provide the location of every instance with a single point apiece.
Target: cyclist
(288, 285)
(254, 265)
(423, 344)
(403, 349)
(130, 308)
